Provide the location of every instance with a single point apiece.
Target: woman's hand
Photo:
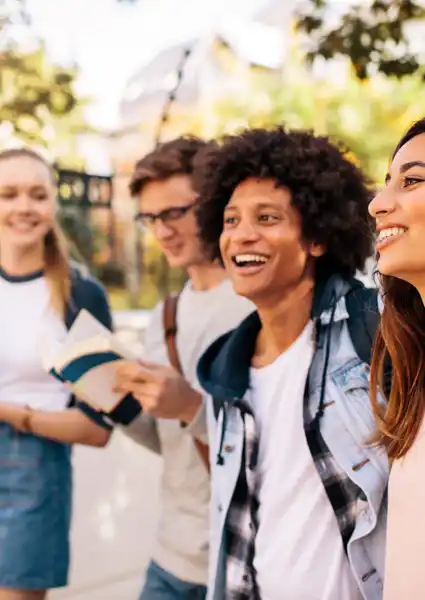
(16, 415)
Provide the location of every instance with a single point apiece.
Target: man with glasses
(163, 183)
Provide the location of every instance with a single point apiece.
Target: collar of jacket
(223, 370)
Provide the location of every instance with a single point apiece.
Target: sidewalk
(115, 507)
(115, 513)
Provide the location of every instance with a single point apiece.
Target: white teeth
(390, 232)
(23, 226)
(250, 258)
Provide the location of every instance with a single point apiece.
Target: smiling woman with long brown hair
(399, 210)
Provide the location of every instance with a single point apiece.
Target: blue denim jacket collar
(223, 370)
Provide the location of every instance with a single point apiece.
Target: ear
(317, 250)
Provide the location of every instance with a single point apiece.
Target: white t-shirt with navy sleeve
(27, 323)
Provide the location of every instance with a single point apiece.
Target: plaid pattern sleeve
(242, 519)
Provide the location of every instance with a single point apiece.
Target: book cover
(86, 361)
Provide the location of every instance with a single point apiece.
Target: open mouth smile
(249, 263)
(389, 235)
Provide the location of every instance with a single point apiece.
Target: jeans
(161, 585)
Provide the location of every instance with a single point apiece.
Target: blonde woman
(40, 295)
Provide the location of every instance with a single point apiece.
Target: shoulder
(88, 293)
(83, 282)
(220, 311)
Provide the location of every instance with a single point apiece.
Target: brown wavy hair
(57, 267)
(401, 336)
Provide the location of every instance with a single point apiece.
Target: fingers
(139, 390)
(133, 371)
(146, 394)
(150, 365)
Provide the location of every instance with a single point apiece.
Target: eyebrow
(261, 205)
(405, 167)
(414, 163)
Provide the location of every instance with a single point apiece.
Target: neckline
(21, 278)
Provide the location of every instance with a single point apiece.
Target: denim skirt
(35, 511)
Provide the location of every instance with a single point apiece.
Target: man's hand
(161, 390)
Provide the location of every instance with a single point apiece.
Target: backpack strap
(170, 333)
(364, 318)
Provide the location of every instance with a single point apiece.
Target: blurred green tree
(368, 116)
(38, 101)
(34, 93)
(372, 35)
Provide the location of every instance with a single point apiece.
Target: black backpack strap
(364, 317)
(363, 323)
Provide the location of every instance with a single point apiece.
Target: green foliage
(369, 117)
(371, 34)
(33, 92)
(372, 37)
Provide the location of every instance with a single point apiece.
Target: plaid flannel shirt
(242, 520)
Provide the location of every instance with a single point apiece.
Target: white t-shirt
(298, 551)
(182, 543)
(27, 321)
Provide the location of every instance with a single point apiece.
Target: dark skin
(260, 220)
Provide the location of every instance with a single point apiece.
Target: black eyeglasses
(147, 220)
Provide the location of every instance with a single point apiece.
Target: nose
(161, 230)
(246, 232)
(383, 203)
(23, 204)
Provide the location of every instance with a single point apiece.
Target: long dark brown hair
(402, 336)
(56, 259)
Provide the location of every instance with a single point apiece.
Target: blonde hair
(57, 268)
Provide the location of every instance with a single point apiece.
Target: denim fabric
(35, 511)
(347, 426)
(161, 585)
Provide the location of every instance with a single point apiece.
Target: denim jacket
(346, 426)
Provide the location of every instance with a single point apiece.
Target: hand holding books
(99, 370)
(161, 390)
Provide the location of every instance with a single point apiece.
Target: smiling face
(261, 243)
(399, 210)
(173, 199)
(26, 203)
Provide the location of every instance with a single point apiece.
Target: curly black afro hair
(329, 191)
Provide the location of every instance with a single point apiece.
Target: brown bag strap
(170, 333)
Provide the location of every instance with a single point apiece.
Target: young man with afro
(298, 492)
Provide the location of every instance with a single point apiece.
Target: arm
(143, 429)
(70, 426)
(196, 420)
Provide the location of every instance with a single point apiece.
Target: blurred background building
(98, 83)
